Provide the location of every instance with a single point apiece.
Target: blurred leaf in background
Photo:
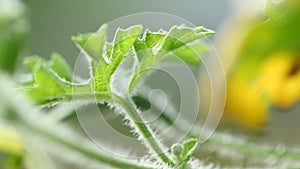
(13, 29)
(261, 55)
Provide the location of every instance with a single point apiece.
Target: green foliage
(179, 38)
(59, 66)
(92, 44)
(182, 152)
(177, 45)
(103, 67)
(42, 138)
(50, 79)
(13, 30)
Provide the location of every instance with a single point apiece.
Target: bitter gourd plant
(53, 84)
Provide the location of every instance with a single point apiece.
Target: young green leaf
(189, 147)
(105, 58)
(178, 42)
(181, 43)
(92, 44)
(187, 54)
(47, 82)
(180, 36)
(59, 65)
(123, 41)
(182, 152)
(177, 151)
(103, 69)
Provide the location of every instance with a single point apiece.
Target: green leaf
(60, 66)
(177, 150)
(153, 39)
(181, 43)
(181, 153)
(92, 43)
(188, 54)
(124, 39)
(150, 41)
(46, 82)
(103, 67)
(117, 51)
(53, 79)
(178, 43)
(189, 147)
(181, 36)
(109, 50)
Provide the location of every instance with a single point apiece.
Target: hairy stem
(21, 115)
(224, 140)
(84, 93)
(88, 151)
(77, 92)
(145, 131)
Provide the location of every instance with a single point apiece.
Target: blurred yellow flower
(261, 57)
(277, 82)
(280, 79)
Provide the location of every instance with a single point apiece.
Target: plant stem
(145, 131)
(251, 149)
(20, 113)
(224, 140)
(74, 144)
(81, 93)
(77, 92)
